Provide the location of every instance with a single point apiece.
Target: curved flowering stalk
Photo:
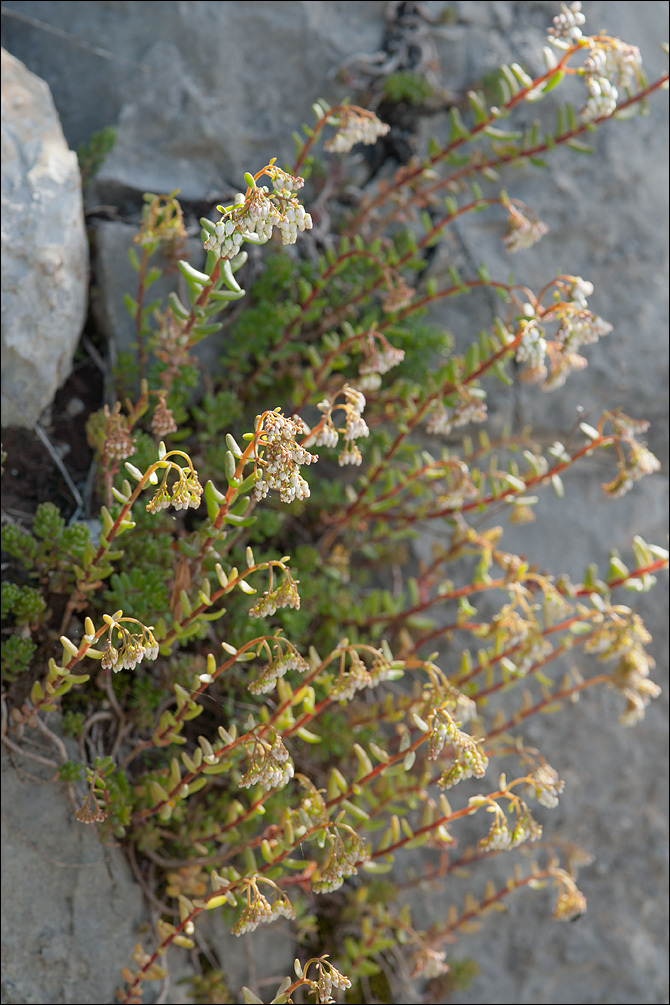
(258, 211)
(60, 677)
(278, 456)
(379, 356)
(282, 657)
(131, 647)
(500, 835)
(327, 978)
(570, 904)
(259, 910)
(346, 852)
(353, 125)
(186, 490)
(270, 765)
(326, 433)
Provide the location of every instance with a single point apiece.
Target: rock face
(44, 248)
(199, 93)
(52, 871)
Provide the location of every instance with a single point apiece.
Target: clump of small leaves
(92, 153)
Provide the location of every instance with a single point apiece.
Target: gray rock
(57, 946)
(199, 92)
(44, 248)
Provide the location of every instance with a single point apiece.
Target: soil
(31, 475)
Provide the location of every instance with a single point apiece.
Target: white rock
(44, 247)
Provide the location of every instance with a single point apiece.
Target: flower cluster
(470, 759)
(328, 979)
(162, 422)
(354, 125)
(547, 785)
(398, 295)
(278, 457)
(380, 357)
(555, 607)
(259, 910)
(501, 838)
(131, 649)
(470, 407)
(443, 728)
(635, 459)
(345, 854)
(631, 678)
(577, 327)
(91, 812)
(636, 464)
(525, 229)
(429, 964)
(355, 426)
(271, 765)
(567, 26)
(356, 679)
(277, 666)
(624, 639)
(532, 347)
(119, 444)
(509, 628)
(285, 595)
(611, 65)
(162, 221)
(571, 902)
(621, 634)
(186, 491)
(258, 212)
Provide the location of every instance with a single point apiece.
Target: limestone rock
(44, 247)
(56, 946)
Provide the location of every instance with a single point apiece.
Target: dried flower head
(162, 422)
(119, 444)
